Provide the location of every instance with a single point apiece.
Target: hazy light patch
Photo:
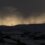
(11, 16)
(10, 21)
(13, 20)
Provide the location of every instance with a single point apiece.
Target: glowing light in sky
(13, 20)
(13, 16)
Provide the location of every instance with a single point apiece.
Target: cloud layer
(13, 20)
(13, 16)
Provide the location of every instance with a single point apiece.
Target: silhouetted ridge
(22, 33)
(35, 27)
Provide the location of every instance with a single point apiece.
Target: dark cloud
(25, 7)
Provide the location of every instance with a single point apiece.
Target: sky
(22, 11)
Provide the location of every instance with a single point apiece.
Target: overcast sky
(25, 7)
(22, 11)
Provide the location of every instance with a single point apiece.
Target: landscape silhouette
(31, 34)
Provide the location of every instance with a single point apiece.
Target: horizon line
(24, 24)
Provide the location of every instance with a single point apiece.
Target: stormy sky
(22, 11)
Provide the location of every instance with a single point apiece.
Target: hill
(33, 27)
(32, 34)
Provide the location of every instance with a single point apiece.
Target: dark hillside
(32, 34)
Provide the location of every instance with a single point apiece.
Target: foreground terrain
(22, 35)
